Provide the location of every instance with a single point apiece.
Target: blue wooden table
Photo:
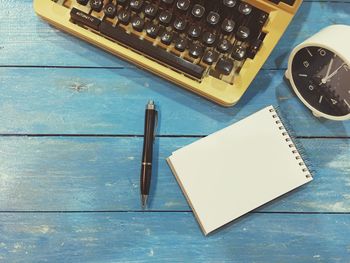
(71, 124)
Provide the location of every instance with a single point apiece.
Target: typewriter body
(214, 48)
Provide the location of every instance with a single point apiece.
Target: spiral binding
(296, 148)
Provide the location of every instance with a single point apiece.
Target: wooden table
(71, 129)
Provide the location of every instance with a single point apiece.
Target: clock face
(323, 80)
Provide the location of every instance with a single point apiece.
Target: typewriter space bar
(148, 49)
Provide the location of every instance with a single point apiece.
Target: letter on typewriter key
(209, 38)
(180, 24)
(224, 46)
(194, 31)
(183, 4)
(213, 18)
(181, 44)
(198, 11)
(151, 10)
(165, 17)
(210, 57)
(229, 3)
(224, 66)
(136, 4)
(239, 52)
(152, 30)
(245, 8)
(96, 5)
(242, 33)
(124, 16)
(137, 23)
(110, 10)
(228, 25)
(195, 50)
(166, 37)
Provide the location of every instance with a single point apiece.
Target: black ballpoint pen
(151, 116)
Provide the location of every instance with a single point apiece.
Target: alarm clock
(319, 72)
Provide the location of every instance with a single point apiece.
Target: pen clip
(155, 125)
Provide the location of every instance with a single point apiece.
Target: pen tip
(144, 200)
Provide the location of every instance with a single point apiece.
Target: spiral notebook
(238, 169)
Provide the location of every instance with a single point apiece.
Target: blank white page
(237, 169)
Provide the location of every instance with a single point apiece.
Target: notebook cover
(238, 169)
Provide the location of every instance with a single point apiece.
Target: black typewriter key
(110, 10)
(229, 3)
(122, 2)
(213, 18)
(180, 44)
(194, 31)
(224, 46)
(137, 23)
(224, 66)
(151, 10)
(198, 11)
(169, 2)
(254, 48)
(245, 9)
(136, 5)
(239, 52)
(195, 50)
(124, 16)
(242, 33)
(165, 17)
(209, 38)
(210, 57)
(262, 18)
(82, 2)
(166, 37)
(180, 24)
(183, 4)
(228, 25)
(152, 30)
(96, 5)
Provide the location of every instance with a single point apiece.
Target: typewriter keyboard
(194, 37)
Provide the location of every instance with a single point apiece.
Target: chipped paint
(151, 252)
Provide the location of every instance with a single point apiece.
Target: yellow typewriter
(214, 48)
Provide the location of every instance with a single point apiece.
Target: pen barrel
(147, 154)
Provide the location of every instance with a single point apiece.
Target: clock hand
(332, 75)
(329, 68)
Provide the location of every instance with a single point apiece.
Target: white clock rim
(289, 76)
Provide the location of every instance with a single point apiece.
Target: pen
(151, 116)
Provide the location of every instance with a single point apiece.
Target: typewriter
(214, 48)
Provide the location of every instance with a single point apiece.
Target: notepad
(239, 168)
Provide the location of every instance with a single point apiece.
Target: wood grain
(102, 174)
(112, 101)
(25, 38)
(172, 237)
(76, 198)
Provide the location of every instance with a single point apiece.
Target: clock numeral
(306, 64)
(320, 100)
(322, 52)
(346, 67)
(311, 87)
(334, 101)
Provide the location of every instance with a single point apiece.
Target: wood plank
(171, 237)
(102, 174)
(27, 34)
(106, 101)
